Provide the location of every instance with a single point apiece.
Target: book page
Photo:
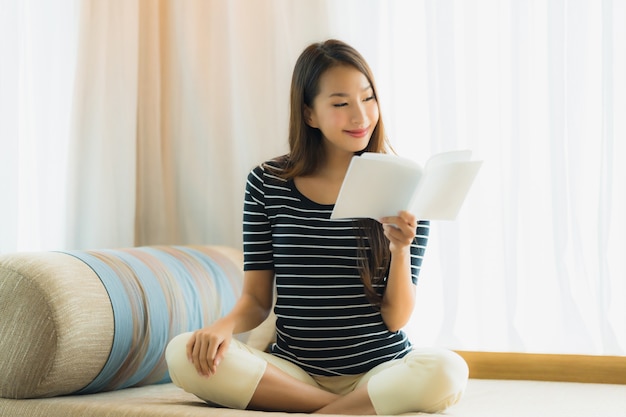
(447, 158)
(380, 185)
(443, 189)
(377, 185)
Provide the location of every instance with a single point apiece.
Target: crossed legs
(425, 380)
(278, 391)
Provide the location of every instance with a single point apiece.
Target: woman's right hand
(207, 346)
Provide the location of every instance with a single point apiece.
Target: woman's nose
(359, 115)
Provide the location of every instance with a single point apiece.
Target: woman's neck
(324, 184)
(335, 166)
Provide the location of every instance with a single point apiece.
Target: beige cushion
(56, 325)
(482, 398)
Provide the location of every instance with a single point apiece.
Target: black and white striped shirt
(325, 323)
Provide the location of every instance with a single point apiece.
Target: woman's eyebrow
(368, 87)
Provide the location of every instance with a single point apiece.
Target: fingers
(205, 351)
(404, 221)
(219, 355)
(400, 229)
(202, 358)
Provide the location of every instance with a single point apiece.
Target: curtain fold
(156, 210)
(135, 122)
(102, 162)
(37, 67)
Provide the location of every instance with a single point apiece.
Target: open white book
(378, 185)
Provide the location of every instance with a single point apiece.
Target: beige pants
(427, 380)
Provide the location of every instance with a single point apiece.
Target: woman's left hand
(400, 230)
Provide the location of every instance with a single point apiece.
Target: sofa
(83, 333)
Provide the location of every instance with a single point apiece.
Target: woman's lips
(357, 133)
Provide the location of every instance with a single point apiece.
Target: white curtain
(133, 122)
(38, 46)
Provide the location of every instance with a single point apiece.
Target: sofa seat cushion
(90, 321)
(483, 398)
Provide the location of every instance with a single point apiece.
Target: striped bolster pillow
(99, 320)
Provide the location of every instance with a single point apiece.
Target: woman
(345, 288)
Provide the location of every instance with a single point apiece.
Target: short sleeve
(418, 248)
(257, 237)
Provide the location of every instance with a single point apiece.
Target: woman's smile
(358, 133)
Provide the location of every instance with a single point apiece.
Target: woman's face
(345, 110)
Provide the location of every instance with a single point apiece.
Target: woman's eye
(340, 104)
(370, 98)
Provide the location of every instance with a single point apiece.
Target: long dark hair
(307, 151)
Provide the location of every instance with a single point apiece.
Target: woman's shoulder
(271, 170)
(277, 163)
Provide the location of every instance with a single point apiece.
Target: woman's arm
(255, 302)
(399, 298)
(207, 346)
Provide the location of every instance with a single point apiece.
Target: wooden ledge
(546, 367)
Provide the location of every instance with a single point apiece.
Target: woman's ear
(309, 117)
